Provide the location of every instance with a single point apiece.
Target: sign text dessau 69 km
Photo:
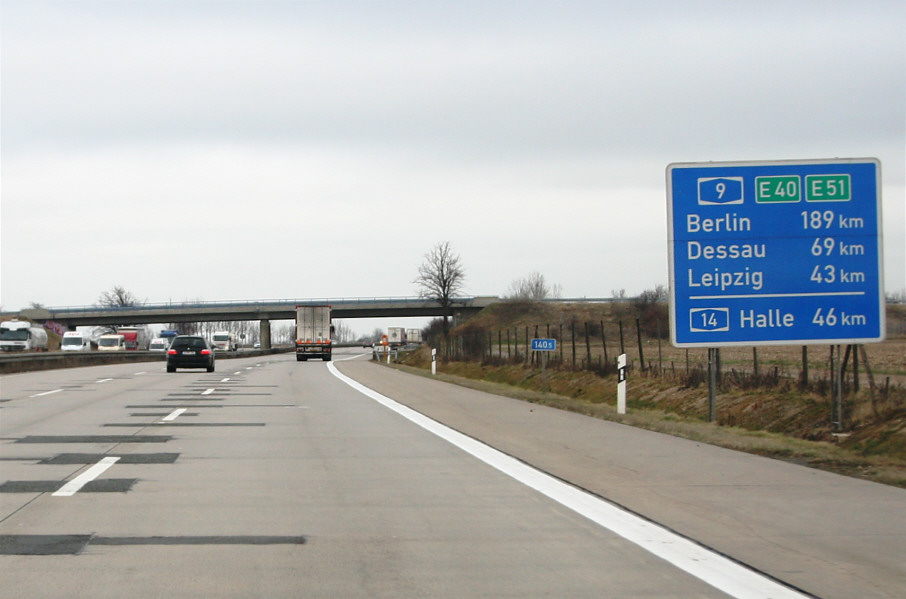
(770, 253)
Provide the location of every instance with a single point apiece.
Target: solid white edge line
(712, 568)
(73, 486)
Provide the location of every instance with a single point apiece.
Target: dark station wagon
(190, 351)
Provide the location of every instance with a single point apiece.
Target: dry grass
(770, 414)
(825, 455)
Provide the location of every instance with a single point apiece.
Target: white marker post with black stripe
(621, 384)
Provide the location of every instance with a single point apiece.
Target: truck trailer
(136, 338)
(396, 336)
(21, 335)
(313, 333)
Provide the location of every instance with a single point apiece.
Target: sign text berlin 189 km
(768, 253)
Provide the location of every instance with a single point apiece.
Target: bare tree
(440, 278)
(342, 333)
(532, 287)
(117, 297)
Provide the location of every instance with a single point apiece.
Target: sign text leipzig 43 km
(770, 253)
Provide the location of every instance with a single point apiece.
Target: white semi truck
(21, 335)
(313, 333)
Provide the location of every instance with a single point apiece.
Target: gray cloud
(400, 124)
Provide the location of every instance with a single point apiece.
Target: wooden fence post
(804, 381)
(638, 334)
(604, 344)
(572, 333)
(755, 360)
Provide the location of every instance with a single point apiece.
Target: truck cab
(21, 335)
(224, 341)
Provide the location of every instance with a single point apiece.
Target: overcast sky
(274, 150)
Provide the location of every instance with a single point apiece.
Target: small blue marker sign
(544, 344)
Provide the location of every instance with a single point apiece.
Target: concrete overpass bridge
(263, 311)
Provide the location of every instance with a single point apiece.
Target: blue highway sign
(544, 344)
(773, 253)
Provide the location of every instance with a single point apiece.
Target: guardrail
(30, 362)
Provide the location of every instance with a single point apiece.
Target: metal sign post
(544, 346)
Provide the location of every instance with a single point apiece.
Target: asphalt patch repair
(75, 544)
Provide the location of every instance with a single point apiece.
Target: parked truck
(21, 335)
(136, 338)
(313, 333)
(396, 336)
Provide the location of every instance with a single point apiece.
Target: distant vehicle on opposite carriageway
(111, 342)
(136, 338)
(225, 341)
(159, 344)
(21, 335)
(75, 341)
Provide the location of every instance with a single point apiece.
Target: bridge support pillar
(264, 334)
(459, 317)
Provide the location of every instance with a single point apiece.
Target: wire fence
(595, 346)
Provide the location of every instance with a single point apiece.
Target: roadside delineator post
(621, 384)
(434, 361)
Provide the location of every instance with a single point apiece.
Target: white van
(159, 344)
(75, 341)
(111, 342)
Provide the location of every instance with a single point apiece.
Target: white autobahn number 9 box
(769, 253)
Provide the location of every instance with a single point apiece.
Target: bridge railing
(262, 303)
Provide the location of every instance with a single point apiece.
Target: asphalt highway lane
(276, 478)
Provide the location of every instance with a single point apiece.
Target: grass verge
(588, 394)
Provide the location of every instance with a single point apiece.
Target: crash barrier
(28, 362)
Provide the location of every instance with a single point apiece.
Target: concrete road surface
(274, 478)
